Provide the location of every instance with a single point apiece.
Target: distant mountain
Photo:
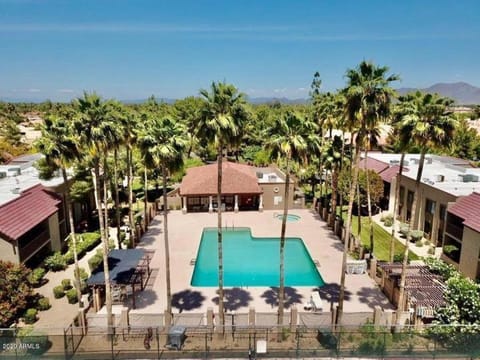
(461, 92)
(272, 100)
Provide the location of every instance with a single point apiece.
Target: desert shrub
(30, 316)
(58, 292)
(66, 284)
(419, 243)
(83, 287)
(72, 296)
(386, 217)
(55, 262)
(431, 250)
(95, 261)
(416, 235)
(43, 304)
(83, 274)
(388, 222)
(404, 229)
(36, 277)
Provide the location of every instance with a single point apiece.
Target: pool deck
(185, 231)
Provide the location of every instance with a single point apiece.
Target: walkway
(420, 251)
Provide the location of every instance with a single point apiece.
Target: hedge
(30, 316)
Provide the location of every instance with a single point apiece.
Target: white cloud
(276, 91)
(65, 91)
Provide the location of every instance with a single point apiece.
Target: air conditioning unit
(428, 160)
(439, 178)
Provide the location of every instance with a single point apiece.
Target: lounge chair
(316, 301)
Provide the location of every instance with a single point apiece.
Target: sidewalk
(61, 314)
(420, 251)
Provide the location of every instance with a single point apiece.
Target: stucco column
(184, 208)
(210, 204)
(260, 204)
(235, 208)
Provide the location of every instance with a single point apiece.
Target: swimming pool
(290, 217)
(250, 261)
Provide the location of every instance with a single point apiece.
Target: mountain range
(462, 92)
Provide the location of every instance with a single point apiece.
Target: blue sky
(130, 49)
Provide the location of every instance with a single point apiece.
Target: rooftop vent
(414, 161)
(467, 178)
(428, 160)
(439, 178)
(394, 162)
(259, 174)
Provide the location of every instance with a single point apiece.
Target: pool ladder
(226, 225)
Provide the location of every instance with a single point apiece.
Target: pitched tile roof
(468, 208)
(236, 179)
(388, 174)
(373, 164)
(25, 212)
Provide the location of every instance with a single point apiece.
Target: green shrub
(388, 222)
(66, 284)
(91, 240)
(416, 235)
(36, 277)
(72, 296)
(431, 250)
(419, 243)
(83, 287)
(55, 262)
(30, 316)
(404, 229)
(58, 292)
(95, 261)
(68, 256)
(43, 304)
(386, 217)
(83, 274)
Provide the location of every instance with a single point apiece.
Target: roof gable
(373, 164)
(25, 212)
(468, 208)
(236, 179)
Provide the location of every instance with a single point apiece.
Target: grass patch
(381, 239)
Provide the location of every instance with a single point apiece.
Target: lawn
(381, 240)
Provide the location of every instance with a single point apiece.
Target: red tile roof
(236, 179)
(373, 164)
(468, 208)
(25, 212)
(388, 174)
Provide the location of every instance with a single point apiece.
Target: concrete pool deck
(185, 231)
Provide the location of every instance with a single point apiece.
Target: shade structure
(122, 265)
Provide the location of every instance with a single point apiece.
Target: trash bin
(176, 336)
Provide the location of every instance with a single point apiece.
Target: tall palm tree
(430, 126)
(92, 126)
(222, 116)
(291, 138)
(368, 97)
(162, 143)
(60, 148)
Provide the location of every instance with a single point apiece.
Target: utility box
(176, 336)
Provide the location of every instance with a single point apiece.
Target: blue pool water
(290, 217)
(250, 261)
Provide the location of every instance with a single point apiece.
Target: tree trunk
(145, 199)
(281, 289)
(220, 240)
(396, 205)
(165, 237)
(320, 196)
(414, 218)
(334, 195)
(369, 203)
(348, 230)
(117, 197)
(105, 196)
(130, 196)
(359, 209)
(108, 292)
(71, 223)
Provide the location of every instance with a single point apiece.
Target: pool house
(244, 188)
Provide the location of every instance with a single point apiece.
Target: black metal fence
(260, 342)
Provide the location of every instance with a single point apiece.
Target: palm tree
(368, 96)
(222, 117)
(291, 138)
(429, 126)
(60, 148)
(162, 143)
(92, 126)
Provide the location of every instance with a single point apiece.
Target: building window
(401, 201)
(429, 214)
(409, 204)
(452, 248)
(441, 223)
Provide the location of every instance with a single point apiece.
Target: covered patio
(129, 272)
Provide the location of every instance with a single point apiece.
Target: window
(429, 214)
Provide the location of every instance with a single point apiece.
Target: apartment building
(446, 182)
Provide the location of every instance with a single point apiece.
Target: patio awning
(122, 265)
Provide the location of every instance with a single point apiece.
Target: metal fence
(237, 341)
